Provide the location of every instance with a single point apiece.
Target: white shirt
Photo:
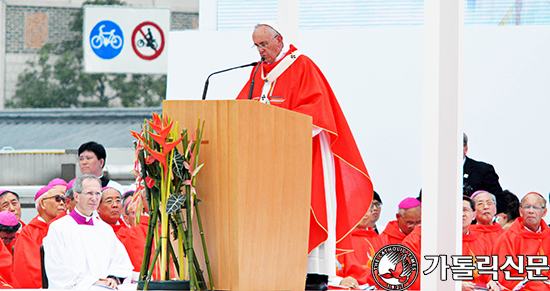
(76, 256)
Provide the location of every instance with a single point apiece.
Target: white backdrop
(377, 76)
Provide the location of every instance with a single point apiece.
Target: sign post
(120, 39)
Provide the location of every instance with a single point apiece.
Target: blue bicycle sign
(106, 39)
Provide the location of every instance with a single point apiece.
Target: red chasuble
(7, 279)
(303, 88)
(26, 258)
(522, 242)
(487, 233)
(135, 242)
(414, 242)
(120, 229)
(473, 246)
(357, 264)
(393, 234)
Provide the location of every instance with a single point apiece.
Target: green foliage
(57, 78)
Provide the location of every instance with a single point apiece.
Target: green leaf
(177, 164)
(175, 201)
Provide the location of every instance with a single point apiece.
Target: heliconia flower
(149, 160)
(150, 182)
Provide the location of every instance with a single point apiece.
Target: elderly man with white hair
(486, 228)
(81, 251)
(50, 203)
(341, 187)
(528, 241)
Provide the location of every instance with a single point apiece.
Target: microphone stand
(208, 79)
(252, 82)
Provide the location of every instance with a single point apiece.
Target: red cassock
(393, 234)
(7, 279)
(135, 242)
(487, 233)
(522, 242)
(357, 264)
(303, 88)
(26, 258)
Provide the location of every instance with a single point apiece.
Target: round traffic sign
(106, 39)
(148, 40)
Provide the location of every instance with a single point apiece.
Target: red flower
(150, 182)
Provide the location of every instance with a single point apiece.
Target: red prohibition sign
(144, 41)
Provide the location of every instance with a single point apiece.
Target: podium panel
(255, 189)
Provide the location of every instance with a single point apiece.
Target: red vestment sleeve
(7, 279)
(26, 263)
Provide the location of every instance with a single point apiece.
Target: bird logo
(395, 267)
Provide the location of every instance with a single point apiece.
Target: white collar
(282, 53)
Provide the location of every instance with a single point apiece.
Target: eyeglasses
(527, 207)
(58, 198)
(91, 193)
(263, 44)
(489, 202)
(375, 204)
(111, 201)
(410, 223)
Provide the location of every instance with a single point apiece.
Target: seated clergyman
(81, 251)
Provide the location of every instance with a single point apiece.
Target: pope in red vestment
(302, 87)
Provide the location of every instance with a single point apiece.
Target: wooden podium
(255, 189)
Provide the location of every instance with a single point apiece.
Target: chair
(43, 267)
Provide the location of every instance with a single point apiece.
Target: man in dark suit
(481, 176)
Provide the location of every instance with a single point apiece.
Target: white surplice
(76, 256)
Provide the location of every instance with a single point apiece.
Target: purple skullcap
(479, 192)
(42, 191)
(409, 203)
(4, 191)
(70, 184)
(7, 218)
(57, 182)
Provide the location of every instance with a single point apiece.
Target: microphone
(208, 79)
(252, 82)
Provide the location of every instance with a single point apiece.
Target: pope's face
(88, 200)
(532, 210)
(10, 203)
(110, 207)
(269, 46)
(485, 208)
(89, 164)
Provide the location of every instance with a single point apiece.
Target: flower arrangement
(168, 179)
